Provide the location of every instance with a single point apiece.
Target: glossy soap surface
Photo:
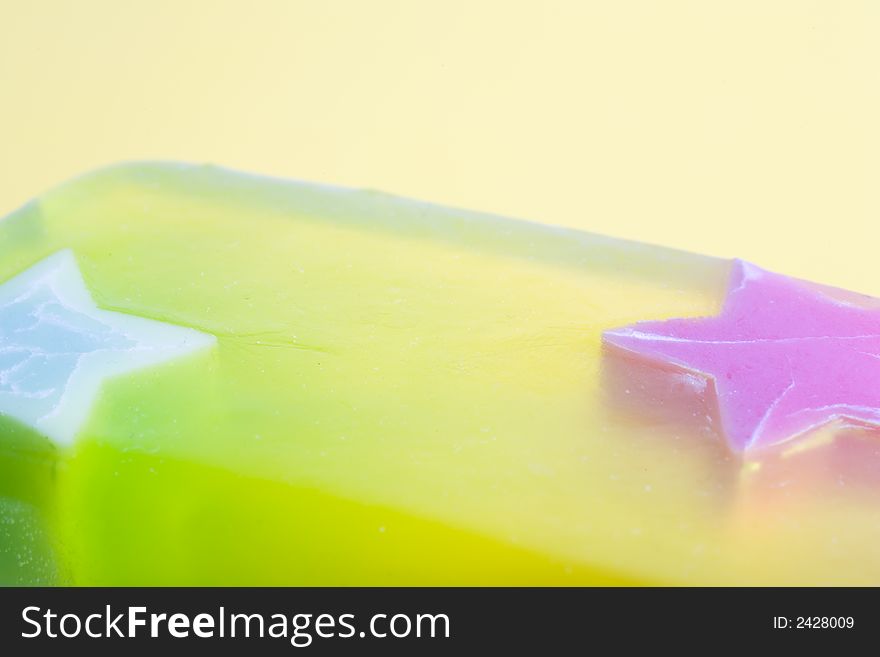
(397, 394)
(783, 357)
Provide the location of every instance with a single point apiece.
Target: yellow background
(746, 129)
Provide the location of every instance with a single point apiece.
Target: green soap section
(28, 480)
(400, 393)
(157, 521)
(26, 552)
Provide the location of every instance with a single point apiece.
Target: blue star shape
(57, 347)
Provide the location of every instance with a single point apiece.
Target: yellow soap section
(400, 394)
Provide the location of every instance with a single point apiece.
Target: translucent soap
(299, 384)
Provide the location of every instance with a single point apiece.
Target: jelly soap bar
(214, 378)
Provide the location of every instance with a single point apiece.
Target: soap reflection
(670, 416)
(659, 394)
(667, 408)
(839, 461)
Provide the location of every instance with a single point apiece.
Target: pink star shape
(785, 356)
